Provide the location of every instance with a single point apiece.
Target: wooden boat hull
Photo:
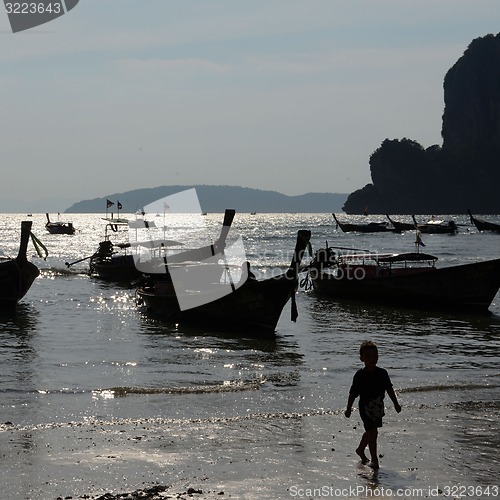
(435, 229)
(483, 225)
(400, 227)
(15, 281)
(54, 228)
(448, 227)
(463, 287)
(256, 305)
(17, 275)
(116, 268)
(367, 228)
(370, 227)
(59, 227)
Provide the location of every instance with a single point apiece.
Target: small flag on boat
(418, 240)
(109, 203)
(119, 205)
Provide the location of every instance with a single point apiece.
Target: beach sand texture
(426, 451)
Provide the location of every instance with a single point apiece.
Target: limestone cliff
(465, 171)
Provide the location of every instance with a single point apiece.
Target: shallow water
(81, 366)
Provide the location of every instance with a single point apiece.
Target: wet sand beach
(425, 452)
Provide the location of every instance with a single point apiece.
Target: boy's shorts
(368, 422)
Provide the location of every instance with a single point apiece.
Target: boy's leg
(360, 450)
(372, 435)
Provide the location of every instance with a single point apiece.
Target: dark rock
(465, 171)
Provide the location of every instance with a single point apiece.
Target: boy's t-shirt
(370, 386)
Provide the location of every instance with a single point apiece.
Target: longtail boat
(59, 227)
(483, 225)
(17, 275)
(120, 261)
(436, 226)
(369, 227)
(400, 227)
(247, 305)
(407, 279)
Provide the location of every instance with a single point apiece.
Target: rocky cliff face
(465, 171)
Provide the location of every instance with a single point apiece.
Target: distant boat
(436, 226)
(17, 275)
(369, 227)
(400, 227)
(59, 227)
(408, 279)
(483, 225)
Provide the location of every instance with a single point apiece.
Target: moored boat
(369, 227)
(59, 227)
(409, 279)
(122, 261)
(17, 275)
(112, 261)
(436, 226)
(400, 227)
(483, 225)
(252, 306)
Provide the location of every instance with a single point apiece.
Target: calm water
(77, 345)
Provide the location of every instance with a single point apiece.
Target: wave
(96, 422)
(448, 387)
(241, 386)
(201, 389)
(122, 391)
(54, 271)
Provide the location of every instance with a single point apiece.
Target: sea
(97, 397)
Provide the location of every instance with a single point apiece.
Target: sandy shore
(423, 452)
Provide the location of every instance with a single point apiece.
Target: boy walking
(370, 384)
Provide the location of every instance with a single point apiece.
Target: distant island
(218, 198)
(462, 173)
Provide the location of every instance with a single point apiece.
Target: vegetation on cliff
(462, 173)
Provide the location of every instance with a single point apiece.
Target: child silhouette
(370, 384)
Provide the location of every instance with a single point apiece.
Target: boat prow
(17, 275)
(483, 225)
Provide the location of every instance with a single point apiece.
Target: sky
(284, 95)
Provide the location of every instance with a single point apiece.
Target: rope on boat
(39, 246)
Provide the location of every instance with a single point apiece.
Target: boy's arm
(350, 402)
(394, 399)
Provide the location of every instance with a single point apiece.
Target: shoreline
(291, 456)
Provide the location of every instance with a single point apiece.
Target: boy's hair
(367, 346)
